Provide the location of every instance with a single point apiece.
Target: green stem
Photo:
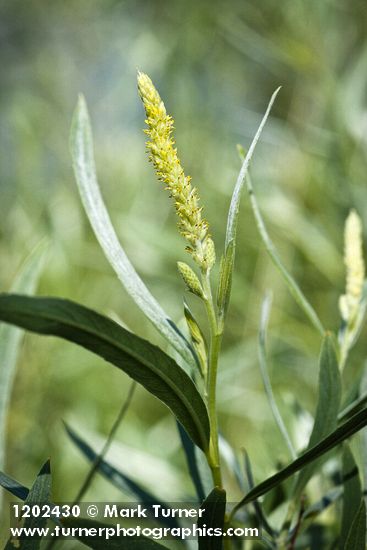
(216, 332)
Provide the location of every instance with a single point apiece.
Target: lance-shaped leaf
(85, 175)
(198, 339)
(82, 525)
(214, 507)
(291, 283)
(236, 196)
(227, 261)
(349, 428)
(142, 361)
(13, 487)
(265, 314)
(257, 506)
(328, 404)
(119, 479)
(357, 534)
(197, 465)
(352, 494)
(39, 494)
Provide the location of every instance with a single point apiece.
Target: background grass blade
(292, 285)
(263, 522)
(10, 339)
(328, 404)
(230, 458)
(213, 517)
(85, 174)
(119, 479)
(142, 361)
(100, 456)
(257, 506)
(350, 427)
(265, 314)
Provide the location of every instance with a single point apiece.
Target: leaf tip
(46, 468)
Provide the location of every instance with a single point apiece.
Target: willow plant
(188, 383)
(195, 229)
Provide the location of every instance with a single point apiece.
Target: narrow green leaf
(110, 437)
(119, 479)
(229, 457)
(257, 506)
(10, 339)
(357, 534)
(40, 494)
(13, 487)
(117, 543)
(227, 263)
(328, 404)
(292, 285)
(352, 494)
(350, 427)
(197, 337)
(265, 314)
(142, 361)
(225, 278)
(81, 142)
(236, 196)
(213, 517)
(192, 462)
(353, 407)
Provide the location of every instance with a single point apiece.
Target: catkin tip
(163, 155)
(355, 268)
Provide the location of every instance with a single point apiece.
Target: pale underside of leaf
(85, 174)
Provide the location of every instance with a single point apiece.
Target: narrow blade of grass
(273, 253)
(99, 458)
(265, 314)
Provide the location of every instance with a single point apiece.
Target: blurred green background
(216, 65)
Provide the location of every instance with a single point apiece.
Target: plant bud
(191, 279)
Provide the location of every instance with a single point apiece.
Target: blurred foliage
(216, 65)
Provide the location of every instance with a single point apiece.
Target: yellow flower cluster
(163, 155)
(353, 259)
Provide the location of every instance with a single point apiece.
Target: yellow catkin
(353, 259)
(163, 155)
